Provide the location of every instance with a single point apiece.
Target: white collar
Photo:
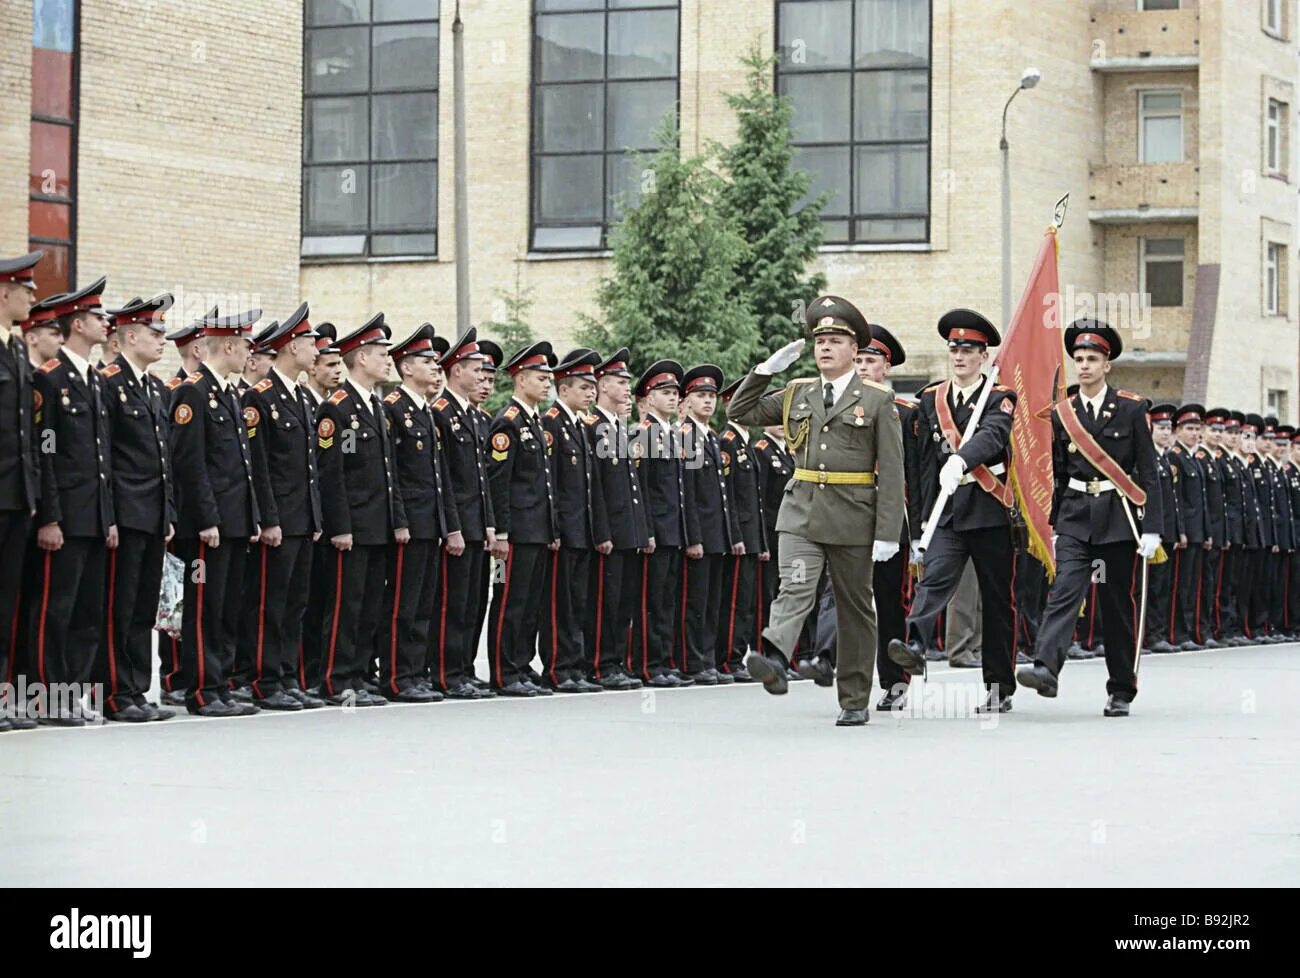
(1096, 402)
(838, 387)
(967, 393)
(741, 432)
(289, 384)
(79, 364)
(318, 398)
(362, 394)
(419, 401)
(529, 412)
(573, 416)
(607, 415)
(136, 372)
(463, 402)
(222, 382)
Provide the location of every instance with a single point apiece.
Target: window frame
(370, 163)
(850, 216)
(1144, 259)
(1275, 137)
(1143, 115)
(534, 153)
(73, 124)
(1274, 269)
(1142, 6)
(1274, 28)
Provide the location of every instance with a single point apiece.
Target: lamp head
(1030, 77)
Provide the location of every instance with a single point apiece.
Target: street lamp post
(1028, 79)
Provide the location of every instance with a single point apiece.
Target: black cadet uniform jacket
(71, 416)
(1215, 518)
(970, 508)
(519, 475)
(1189, 481)
(20, 477)
(657, 448)
(1171, 518)
(1282, 528)
(281, 423)
(1258, 474)
(464, 438)
(625, 509)
(1234, 504)
(740, 468)
(710, 516)
(423, 476)
(1123, 433)
(211, 459)
(358, 477)
(579, 500)
(775, 468)
(144, 498)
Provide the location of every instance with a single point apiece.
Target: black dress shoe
(539, 688)
(667, 680)
(1161, 646)
(18, 723)
(479, 683)
(818, 670)
(935, 655)
(1213, 643)
(217, 708)
(740, 674)
(464, 691)
(367, 698)
(1115, 707)
(683, 678)
(993, 703)
(156, 713)
(586, 686)
(769, 672)
(130, 714)
(175, 698)
(705, 677)
(243, 694)
(1099, 650)
(724, 678)
(974, 660)
(910, 655)
(520, 689)
(852, 718)
(1077, 651)
(308, 701)
(280, 700)
(62, 721)
(568, 686)
(1038, 678)
(1191, 646)
(414, 693)
(892, 701)
(616, 682)
(792, 675)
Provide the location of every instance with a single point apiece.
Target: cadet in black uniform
(424, 481)
(463, 593)
(1254, 581)
(975, 523)
(1283, 527)
(363, 513)
(1160, 605)
(190, 349)
(282, 435)
(1105, 506)
(1189, 559)
(323, 378)
(614, 590)
(217, 513)
(775, 468)
(712, 530)
(145, 505)
(1215, 528)
(40, 331)
(1219, 593)
(1240, 558)
(519, 476)
(19, 473)
(738, 629)
(656, 446)
(492, 359)
(1288, 453)
(584, 526)
(75, 520)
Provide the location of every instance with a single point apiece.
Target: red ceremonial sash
(1096, 455)
(987, 480)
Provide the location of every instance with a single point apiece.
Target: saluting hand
(781, 359)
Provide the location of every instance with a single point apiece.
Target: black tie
(828, 398)
(1092, 416)
(961, 399)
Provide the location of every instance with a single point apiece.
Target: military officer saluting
(282, 436)
(217, 514)
(844, 506)
(145, 506)
(1105, 507)
(975, 523)
(523, 502)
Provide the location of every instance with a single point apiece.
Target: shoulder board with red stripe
(194, 378)
(903, 403)
(590, 419)
(172, 384)
(393, 398)
(439, 404)
(339, 396)
(878, 386)
(645, 422)
(729, 435)
(262, 386)
(1000, 387)
(48, 365)
(111, 370)
(512, 412)
(553, 412)
(761, 443)
(688, 423)
(1130, 395)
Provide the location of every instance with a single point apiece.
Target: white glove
(781, 359)
(916, 552)
(883, 550)
(1147, 545)
(951, 473)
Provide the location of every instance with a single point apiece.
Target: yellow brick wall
(15, 126)
(1121, 108)
(1163, 328)
(189, 166)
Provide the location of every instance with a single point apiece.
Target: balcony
(1146, 40)
(1133, 193)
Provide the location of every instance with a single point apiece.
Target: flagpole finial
(1058, 213)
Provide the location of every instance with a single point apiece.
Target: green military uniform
(847, 493)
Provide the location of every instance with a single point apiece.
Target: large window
(1160, 127)
(859, 74)
(370, 128)
(52, 225)
(1274, 279)
(1162, 270)
(604, 77)
(1275, 138)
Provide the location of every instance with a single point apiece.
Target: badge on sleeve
(1007, 406)
(325, 433)
(251, 417)
(500, 446)
(183, 414)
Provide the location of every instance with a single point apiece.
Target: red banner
(1031, 361)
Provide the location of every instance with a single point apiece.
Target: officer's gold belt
(835, 478)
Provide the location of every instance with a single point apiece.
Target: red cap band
(1092, 339)
(967, 334)
(528, 363)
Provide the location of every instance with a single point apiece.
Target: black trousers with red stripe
(358, 598)
(311, 656)
(1254, 592)
(613, 599)
(1225, 599)
(404, 637)
(1119, 596)
(657, 618)
(738, 629)
(697, 628)
(1088, 630)
(1293, 591)
(67, 608)
(1031, 593)
(1188, 563)
(462, 601)
(991, 550)
(271, 632)
(1160, 578)
(564, 606)
(514, 618)
(1209, 597)
(1277, 591)
(206, 662)
(15, 525)
(125, 660)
